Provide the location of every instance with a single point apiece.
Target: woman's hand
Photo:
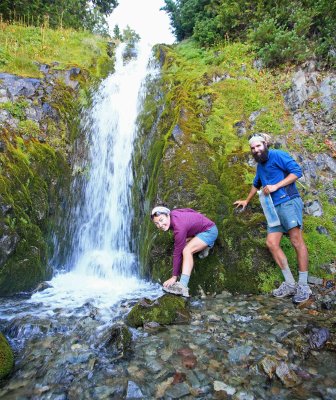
(170, 281)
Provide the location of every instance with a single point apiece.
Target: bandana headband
(160, 209)
(257, 138)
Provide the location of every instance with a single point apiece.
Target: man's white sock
(303, 278)
(289, 278)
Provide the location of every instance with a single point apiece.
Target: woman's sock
(184, 280)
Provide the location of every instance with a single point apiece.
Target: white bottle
(269, 209)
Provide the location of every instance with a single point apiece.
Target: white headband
(163, 210)
(257, 138)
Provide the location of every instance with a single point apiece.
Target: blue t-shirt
(278, 166)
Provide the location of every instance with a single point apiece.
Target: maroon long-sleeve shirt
(185, 223)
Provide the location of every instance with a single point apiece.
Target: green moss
(6, 357)
(165, 310)
(207, 167)
(16, 109)
(28, 187)
(29, 128)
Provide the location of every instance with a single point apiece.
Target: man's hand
(270, 189)
(241, 203)
(170, 281)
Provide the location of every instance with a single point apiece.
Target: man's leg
(296, 238)
(273, 243)
(303, 290)
(287, 288)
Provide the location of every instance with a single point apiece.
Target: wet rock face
(34, 149)
(8, 242)
(165, 310)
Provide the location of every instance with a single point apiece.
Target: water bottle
(269, 209)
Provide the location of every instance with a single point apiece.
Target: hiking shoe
(204, 253)
(284, 290)
(178, 289)
(302, 293)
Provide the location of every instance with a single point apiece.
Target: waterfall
(102, 242)
(102, 267)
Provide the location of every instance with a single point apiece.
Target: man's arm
(273, 188)
(244, 203)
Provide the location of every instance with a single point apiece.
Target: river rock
(287, 376)
(177, 391)
(318, 338)
(239, 353)
(221, 386)
(269, 365)
(118, 341)
(133, 391)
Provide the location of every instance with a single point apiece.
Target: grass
(21, 47)
(239, 91)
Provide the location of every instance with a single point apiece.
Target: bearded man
(276, 174)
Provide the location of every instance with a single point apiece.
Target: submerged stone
(165, 310)
(288, 377)
(239, 353)
(133, 391)
(118, 341)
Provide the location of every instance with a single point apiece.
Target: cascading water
(102, 268)
(102, 243)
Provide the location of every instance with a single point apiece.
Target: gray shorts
(290, 216)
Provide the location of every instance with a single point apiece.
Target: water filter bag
(269, 209)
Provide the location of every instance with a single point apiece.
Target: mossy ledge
(193, 141)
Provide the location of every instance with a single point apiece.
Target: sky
(145, 17)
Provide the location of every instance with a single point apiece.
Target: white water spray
(103, 268)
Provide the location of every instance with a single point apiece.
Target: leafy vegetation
(286, 31)
(76, 14)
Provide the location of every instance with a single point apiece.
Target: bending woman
(193, 233)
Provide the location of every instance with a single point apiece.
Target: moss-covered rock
(6, 357)
(194, 146)
(165, 310)
(32, 185)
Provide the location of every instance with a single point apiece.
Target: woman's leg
(193, 246)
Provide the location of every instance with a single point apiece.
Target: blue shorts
(209, 236)
(290, 216)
